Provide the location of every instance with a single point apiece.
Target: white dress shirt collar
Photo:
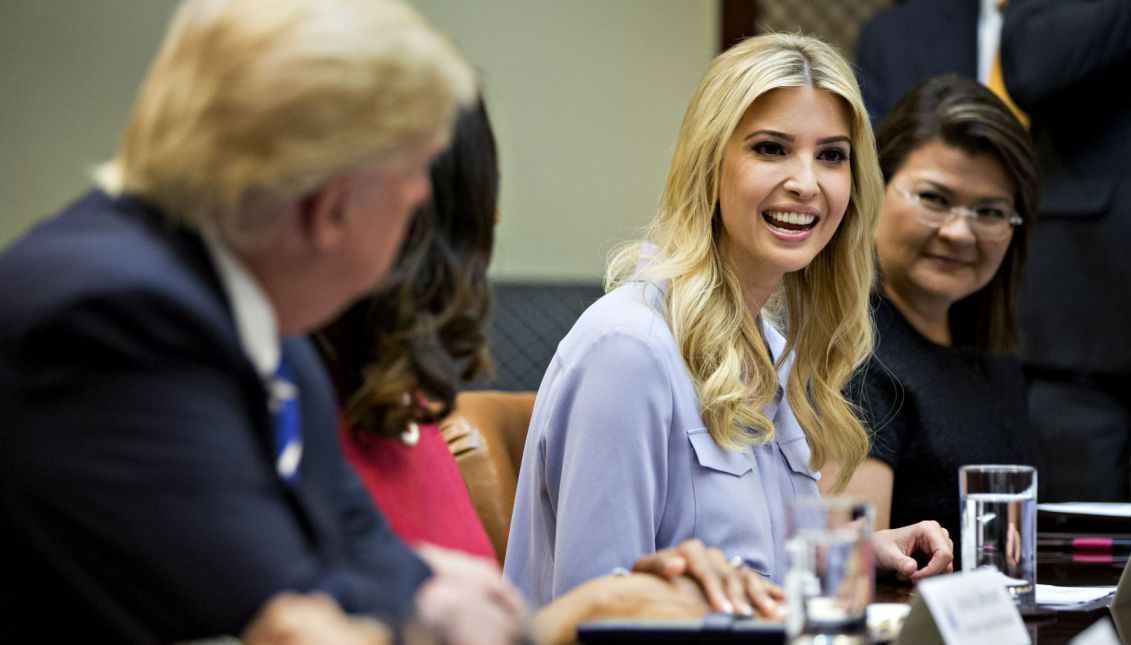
(255, 318)
(989, 36)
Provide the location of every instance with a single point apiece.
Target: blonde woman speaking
(702, 393)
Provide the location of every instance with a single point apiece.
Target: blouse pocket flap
(797, 454)
(712, 455)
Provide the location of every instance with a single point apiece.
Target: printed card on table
(974, 609)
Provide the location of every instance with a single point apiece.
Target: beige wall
(586, 97)
(68, 72)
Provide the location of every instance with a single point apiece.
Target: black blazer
(910, 42)
(138, 498)
(1066, 63)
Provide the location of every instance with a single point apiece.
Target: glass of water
(999, 525)
(830, 578)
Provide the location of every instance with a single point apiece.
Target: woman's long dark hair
(963, 113)
(424, 332)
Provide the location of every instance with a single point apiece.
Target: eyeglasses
(987, 222)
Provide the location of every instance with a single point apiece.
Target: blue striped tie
(283, 402)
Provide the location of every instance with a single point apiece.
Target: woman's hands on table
(729, 585)
(894, 549)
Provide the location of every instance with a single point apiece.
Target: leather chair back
(486, 433)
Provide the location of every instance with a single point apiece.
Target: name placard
(974, 609)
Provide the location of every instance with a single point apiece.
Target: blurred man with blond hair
(170, 458)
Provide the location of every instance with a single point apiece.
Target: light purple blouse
(618, 463)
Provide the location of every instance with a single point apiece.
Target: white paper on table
(1053, 595)
(1100, 509)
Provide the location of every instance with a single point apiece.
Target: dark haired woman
(943, 388)
(398, 357)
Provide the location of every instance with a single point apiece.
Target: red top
(419, 489)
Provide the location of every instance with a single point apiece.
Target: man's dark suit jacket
(138, 496)
(910, 42)
(1067, 63)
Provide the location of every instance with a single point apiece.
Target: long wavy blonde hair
(822, 309)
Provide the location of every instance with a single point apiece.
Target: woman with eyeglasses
(943, 388)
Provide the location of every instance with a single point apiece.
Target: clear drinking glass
(830, 579)
(999, 525)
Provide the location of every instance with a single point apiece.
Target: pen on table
(1085, 543)
(1099, 557)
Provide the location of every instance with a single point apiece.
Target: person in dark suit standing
(168, 437)
(1064, 62)
(912, 41)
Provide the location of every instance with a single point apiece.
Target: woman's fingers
(731, 576)
(766, 596)
(706, 573)
(729, 585)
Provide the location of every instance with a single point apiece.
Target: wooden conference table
(1062, 568)
(1046, 627)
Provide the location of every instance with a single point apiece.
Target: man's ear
(322, 214)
